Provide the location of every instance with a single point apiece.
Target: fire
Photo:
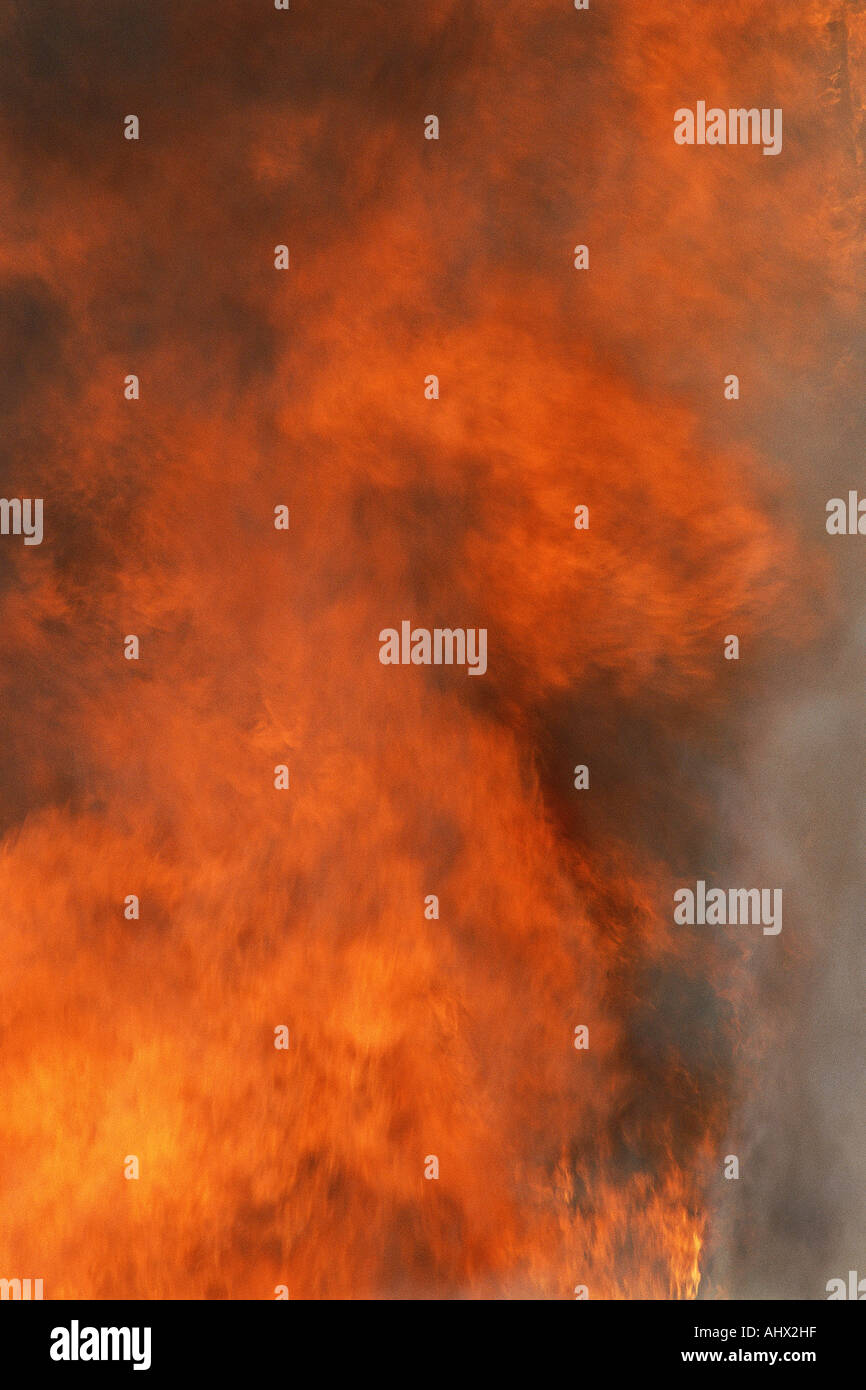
(409, 1036)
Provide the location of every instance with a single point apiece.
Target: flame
(409, 1037)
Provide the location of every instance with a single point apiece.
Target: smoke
(411, 1036)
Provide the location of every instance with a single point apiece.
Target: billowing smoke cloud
(413, 1036)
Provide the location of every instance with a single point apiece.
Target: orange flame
(408, 1037)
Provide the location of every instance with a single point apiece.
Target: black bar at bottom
(410, 1341)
